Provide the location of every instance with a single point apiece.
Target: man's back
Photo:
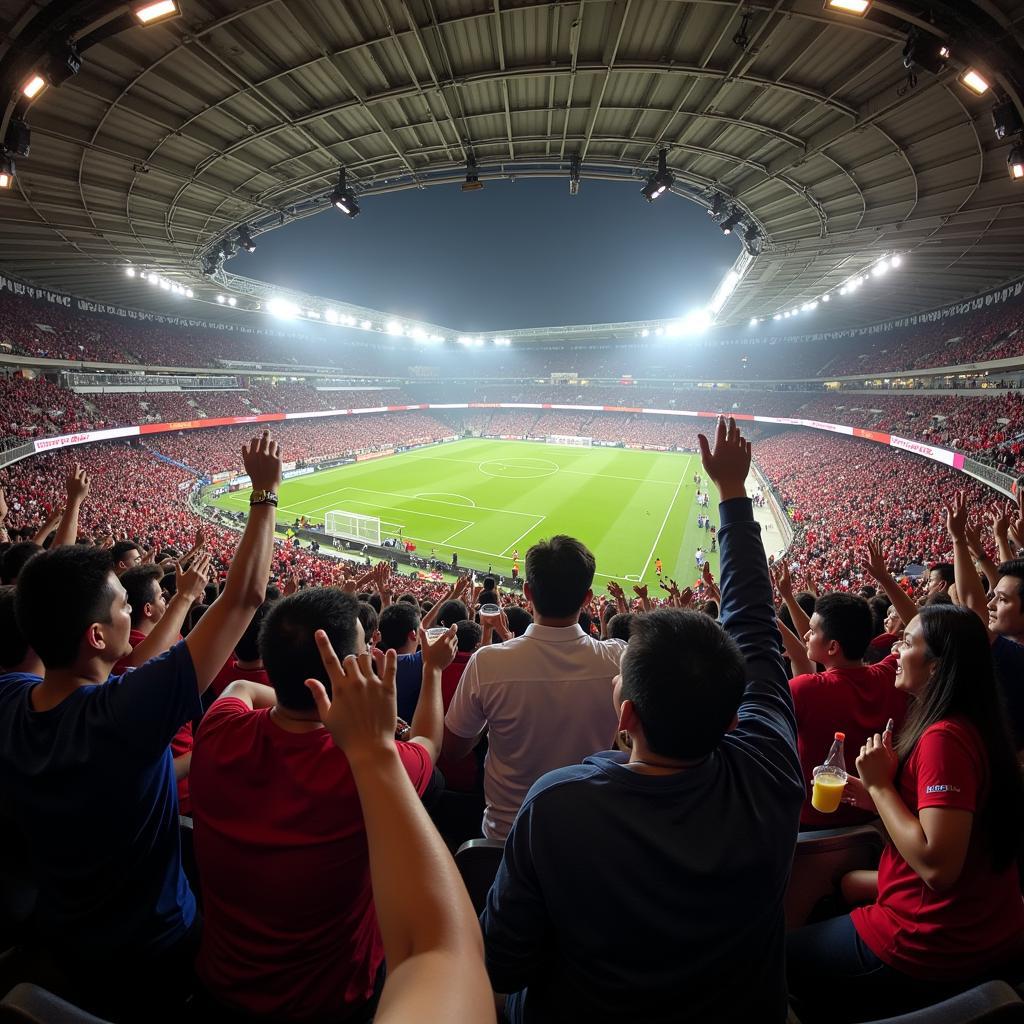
(290, 929)
(546, 700)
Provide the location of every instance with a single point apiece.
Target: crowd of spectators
(149, 667)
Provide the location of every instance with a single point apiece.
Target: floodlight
(282, 308)
(245, 238)
(210, 264)
(189, 293)
(33, 87)
(343, 198)
(826, 298)
(6, 171)
(778, 316)
(881, 268)
(393, 327)
(130, 271)
(232, 301)
(858, 7)
(752, 240)
(1015, 162)
(975, 81)
(166, 285)
(754, 321)
(717, 206)
(365, 324)
(229, 249)
(472, 182)
(731, 221)
(574, 175)
(330, 316)
(18, 138)
(660, 181)
(644, 333)
(221, 299)
(156, 11)
(925, 52)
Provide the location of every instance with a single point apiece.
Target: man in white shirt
(545, 698)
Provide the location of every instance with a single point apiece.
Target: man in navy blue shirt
(87, 761)
(650, 887)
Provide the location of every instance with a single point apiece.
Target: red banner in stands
(217, 421)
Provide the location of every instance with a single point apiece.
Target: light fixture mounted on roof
(1006, 119)
(245, 238)
(660, 181)
(34, 85)
(924, 51)
(974, 80)
(155, 11)
(731, 221)
(18, 139)
(858, 7)
(343, 198)
(6, 172)
(574, 174)
(472, 182)
(1015, 162)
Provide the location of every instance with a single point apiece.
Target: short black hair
(409, 599)
(13, 645)
(559, 572)
(468, 635)
(121, 548)
(1015, 568)
(138, 582)
(879, 610)
(287, 641)
(14, 560)
(369, 618)
(620, 626)
(489, 583)
(847, 619)
(941, 597)
(452, 612)
(82, 578)
(248, 646)
(519, 619)
(396, 622)
(685, 677)
(945, 571)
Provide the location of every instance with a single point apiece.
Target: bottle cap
(840, 735)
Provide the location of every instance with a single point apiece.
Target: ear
(629, 720)
(375, 639)
(527, 592)
(94, 639)
(588, 598)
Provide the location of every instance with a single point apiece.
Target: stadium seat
(29, 1004)
(477, 861)
(990, 1003)
(821, 860)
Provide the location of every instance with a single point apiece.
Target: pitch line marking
(664, 523)
(425, 495)
(406, 498)
(540, 519)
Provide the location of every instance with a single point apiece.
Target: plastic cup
(435, 631)
(829, 784)
(490, 611)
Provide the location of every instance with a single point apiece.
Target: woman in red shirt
(944, 910)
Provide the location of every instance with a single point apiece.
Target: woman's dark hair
(964, 684)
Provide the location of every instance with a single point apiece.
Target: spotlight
(232, 301)
(63, 64)
(754, 321)
(472, 182)
(130, 271)
(221, 299)
(18, 139)
(154, 12)
(731, 221)
(245, 238)
(752, 240)
(210, 264)
(895, 261)
(33, 87)
(330, 316)
(975, 81)
(574, 175)
(365, 325)
(343, 198)
(1015, 162)
(826, 298)
(717, 206)
(858, 7)
(927, 53)
(282, 308)
(6, 171)
(228, 249)
(189, 293)
(778, 316)
(660, 181)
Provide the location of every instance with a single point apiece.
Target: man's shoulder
(1007, 649)
(810, 681)
(559, 783)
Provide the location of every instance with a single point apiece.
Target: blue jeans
(833, 976)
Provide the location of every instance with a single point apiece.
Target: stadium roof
(242, 111)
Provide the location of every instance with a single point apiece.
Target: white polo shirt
(546, 700)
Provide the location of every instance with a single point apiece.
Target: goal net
(353, 526)
(575, 442)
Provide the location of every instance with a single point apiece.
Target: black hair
(368, 617)
(711, 608)
(452, 612)
(559, 572)
(13, 645)
(192, 617)
(248, 646)
(287, 641)
(518, 619)
(806, 600)
(396, 622)
(82, 578)
(846, 618)
(121, 548)
(14, 560)
(468, 635)
(879, 609)
(867, 591)
(939, 597)
(490, 583)
(963, 684)
(409, 599)
(945, 571)
(374, 601)
(685, 676)
(585, 621)
(1015, 568)
(620, 626)
(139, 582)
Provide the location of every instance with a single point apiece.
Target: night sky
(516, 254)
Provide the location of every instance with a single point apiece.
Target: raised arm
(432, 940)
(77, 490)
(427, 723)
(874, 562)
(984, 564)
(217, 632)
(968, 583)
(783, 580)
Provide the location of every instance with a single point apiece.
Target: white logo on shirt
(942, 789)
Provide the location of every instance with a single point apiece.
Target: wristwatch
(263, 498)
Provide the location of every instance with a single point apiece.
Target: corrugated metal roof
(174, 134)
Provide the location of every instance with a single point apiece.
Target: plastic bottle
(830, 779)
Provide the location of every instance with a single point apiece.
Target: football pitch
(487, 499)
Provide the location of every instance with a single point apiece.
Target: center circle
(518, 468)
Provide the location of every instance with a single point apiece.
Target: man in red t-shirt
(246, 662)
(848, 697)
(290, 930)
(461, 774)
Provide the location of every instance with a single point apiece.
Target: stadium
(647, 375)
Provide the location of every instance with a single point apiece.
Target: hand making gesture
(729, 463)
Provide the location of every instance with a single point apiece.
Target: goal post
(353, 526)
(570, 440)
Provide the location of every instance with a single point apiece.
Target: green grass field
(486, 499)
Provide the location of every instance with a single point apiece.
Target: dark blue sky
(519, 254)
